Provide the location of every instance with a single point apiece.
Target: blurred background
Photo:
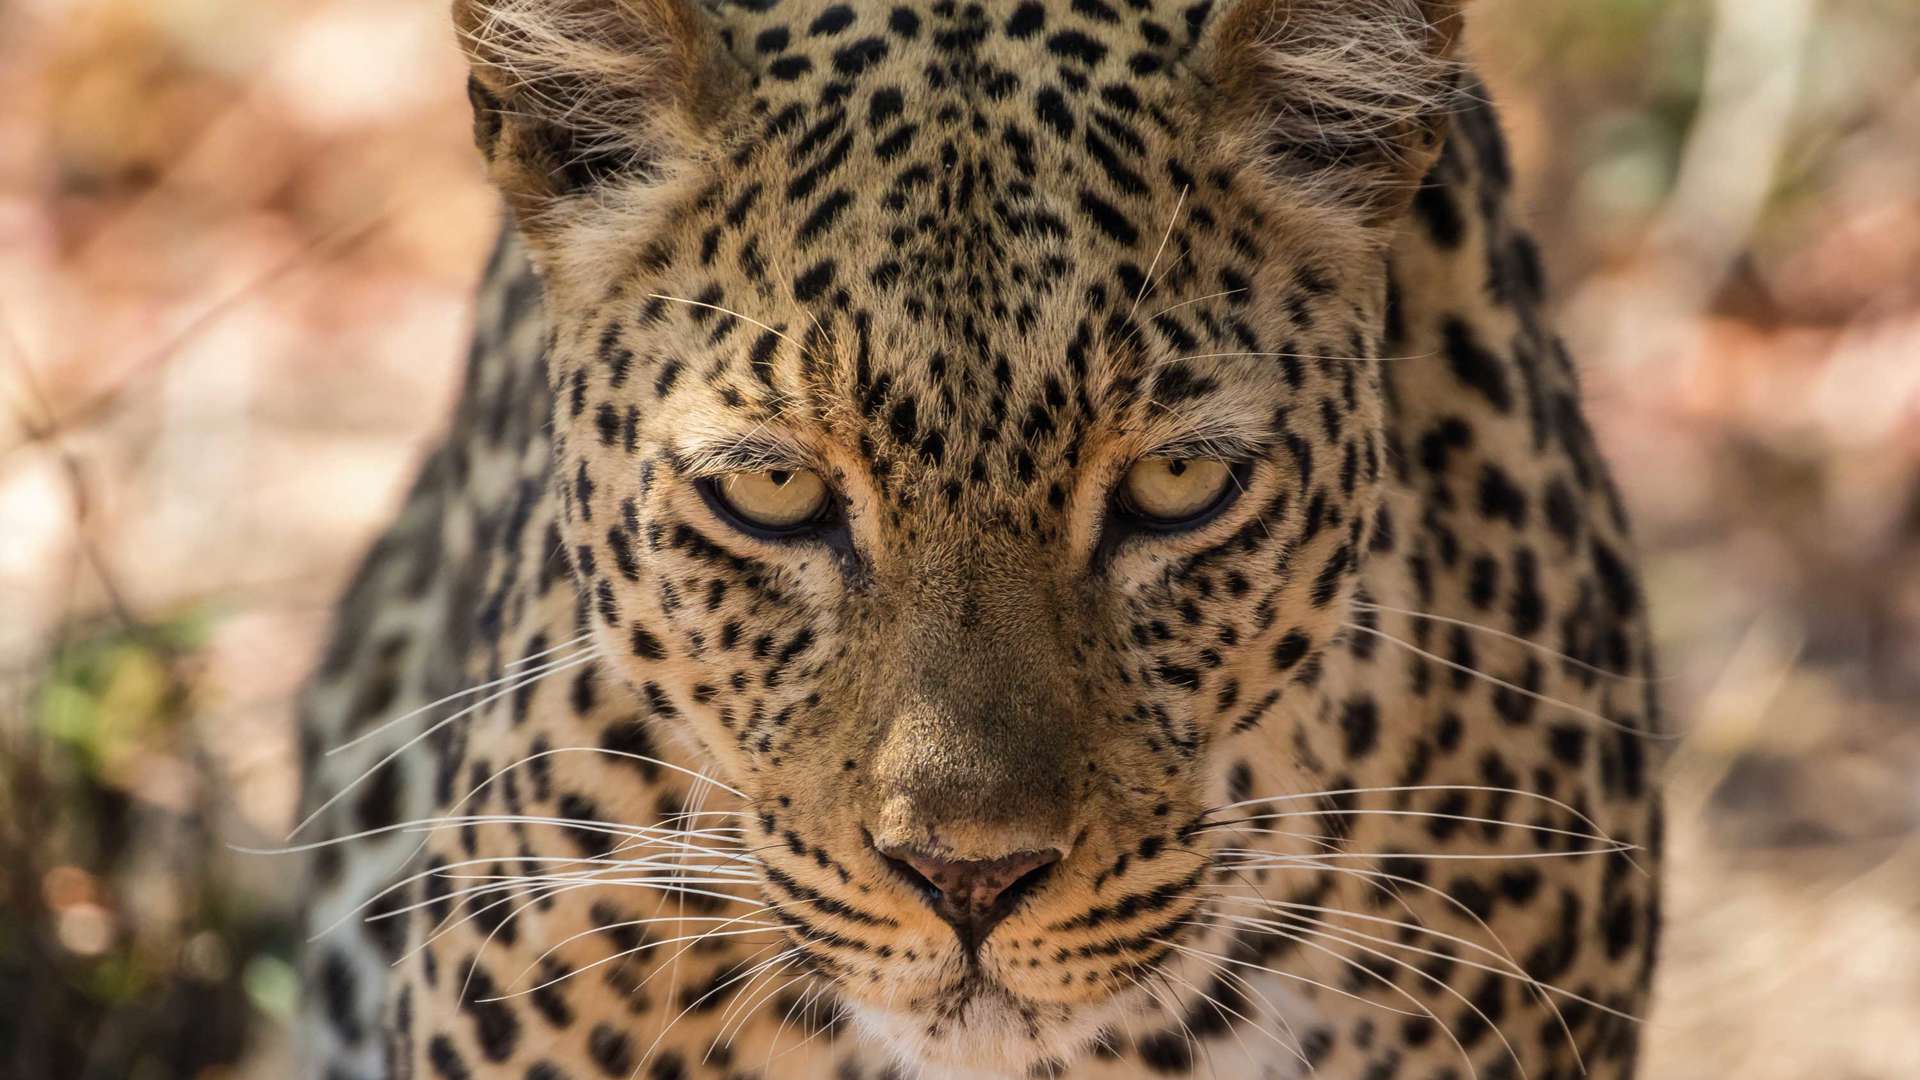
(236, 248)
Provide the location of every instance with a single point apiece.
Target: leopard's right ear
(568, 94)
(1343, 103)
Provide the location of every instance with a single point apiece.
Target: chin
(984, 1033)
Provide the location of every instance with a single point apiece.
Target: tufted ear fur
(1343, 102)
(568, 93)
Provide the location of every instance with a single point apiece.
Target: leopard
(991, 539)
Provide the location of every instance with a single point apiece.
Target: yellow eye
(776, 499)
(1170, 491)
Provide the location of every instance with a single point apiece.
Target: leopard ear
(1341, 102)
(568, 94)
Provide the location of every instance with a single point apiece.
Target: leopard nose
(972, 895)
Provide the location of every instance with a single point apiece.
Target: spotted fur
(1355, 778)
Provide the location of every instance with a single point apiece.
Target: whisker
(1423, 1010)
(692, 1005)
(1545, 650)
(1171, 308)
(745, 1005)
(804, 1003)
(1146, 284)
(1435, 980)
(525, 660)
(735, 314)
(1532, 695)
(1296, 977)
(1255, 856)
(643, 947)
(1467, 818)
(1246, 986)
(723, 922)
(1416, 788)
(1512, 970)
(1173, 1012)
(416, 740)
(1289, 356)
(808, 1001)
(532, 674)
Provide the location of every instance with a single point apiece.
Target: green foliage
(124, 944)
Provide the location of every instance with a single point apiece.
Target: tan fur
(1373, 79)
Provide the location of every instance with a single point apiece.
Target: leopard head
(968, 423)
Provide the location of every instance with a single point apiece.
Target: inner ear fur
(1343, 102)
(567, 93)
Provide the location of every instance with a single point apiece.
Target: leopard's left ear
(1344, 102)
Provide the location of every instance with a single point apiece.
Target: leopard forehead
(963, 246)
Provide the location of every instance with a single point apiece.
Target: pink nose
(972, 895)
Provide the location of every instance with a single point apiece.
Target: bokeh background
(236, 246)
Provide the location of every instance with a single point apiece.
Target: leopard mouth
(976, 1026)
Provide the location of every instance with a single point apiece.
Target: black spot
(789, 68)
(446, 1061)
(902, 422)
(885, 104)
(1437, 210)
(1026, 20)
(859, 56)
(1623, 592)
(832, 21)
(1289, 650)
(824, 215)
(1074, 45)
(495, 1026)
(611, 1050)
(1167, 1052)
(645, 645)
(1054, 111)
(814, 281)
(1108, 218)
(1480, 370)
(379, 805)
(339, 997)
(1361, 723)
(1500, 498)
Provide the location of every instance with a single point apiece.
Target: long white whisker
(1531, 695)
(643, 947)
(735, 314)
(1417, 788)
(530, 658)
(417, 739)
(1146, 283)
(1236, 823)
(1544, 650)
(1256, 858)
(532, 674)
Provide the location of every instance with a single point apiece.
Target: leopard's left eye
(1169, 493)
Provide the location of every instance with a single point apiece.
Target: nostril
(1028, 881)
(911, 876)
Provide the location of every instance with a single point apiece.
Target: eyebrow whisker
(729, 311)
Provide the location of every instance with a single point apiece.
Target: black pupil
(1176, 467)
(779, 477)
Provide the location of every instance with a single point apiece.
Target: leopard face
(966, 416)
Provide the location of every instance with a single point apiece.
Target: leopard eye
(777, 500)
(1173, 492)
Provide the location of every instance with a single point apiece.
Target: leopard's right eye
(779, 501)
